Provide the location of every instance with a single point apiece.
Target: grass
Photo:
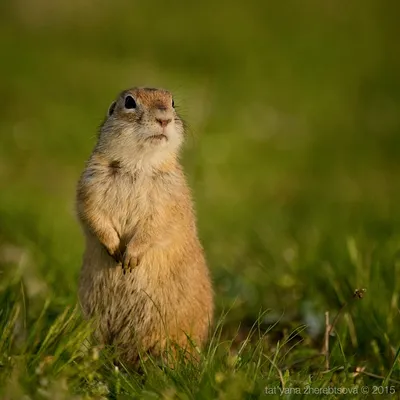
(293, 156)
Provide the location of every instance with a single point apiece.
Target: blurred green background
(292, 148)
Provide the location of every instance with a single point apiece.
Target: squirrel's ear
(111, 108)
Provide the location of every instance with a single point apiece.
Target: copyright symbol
(365, 390)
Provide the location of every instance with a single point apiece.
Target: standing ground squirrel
(144, 275)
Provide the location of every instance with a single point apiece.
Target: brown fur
(144, 275)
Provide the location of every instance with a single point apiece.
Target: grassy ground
(293, 154)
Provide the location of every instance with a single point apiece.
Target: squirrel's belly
(110, 288)
(132, 306)
(145, 308)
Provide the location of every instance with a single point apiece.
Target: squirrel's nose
(163, 122)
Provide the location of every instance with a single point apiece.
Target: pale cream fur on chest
(134, 197)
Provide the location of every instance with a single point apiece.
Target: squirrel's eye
(173, 103)
(130, 102)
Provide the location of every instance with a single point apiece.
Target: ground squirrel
(144, 275)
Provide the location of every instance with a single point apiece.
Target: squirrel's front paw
(130, 260)
(115, 254)
(114, 251)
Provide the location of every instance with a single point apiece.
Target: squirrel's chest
(134, 198)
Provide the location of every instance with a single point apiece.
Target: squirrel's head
(142, 124)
